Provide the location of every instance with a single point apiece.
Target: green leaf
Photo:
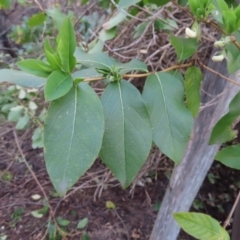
(184, 47)
(201, 226)
(140, 28)
(85, 236)
(127, 3)
(230, 156)
(22, 122)
(37, 138)
(35, 67)
(171, 121)
(57, 16)
(63, 222)
(52, 58)
(114, 21)
(5, 3)
(66, 45)
(159, 2)
(58, 84)
(193, 79)
(15, 113)
(73, 134)
(127, 139)
(21, 78)
(36, 19)
(105, 35)
(82, 223)
(133, 65)
(229, 21)
(36, 214)
(222, 131)
(233, 58)
(97, 60)
(86, 73)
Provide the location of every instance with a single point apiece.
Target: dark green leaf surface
(73, 134)
(128, 137)
(230, 156)
(35, 67)
(222, 131)
(184, 47)
(58, 84)
(171, 121)
(66, 45)
(201, 226)
(193, 79)
(21, 78)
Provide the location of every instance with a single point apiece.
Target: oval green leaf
(193, 79)
(73, 135)
(222, 131)
(21, 78)
(184, 47)
(171, 121)
(35, 67)
(58, 84)
(127, 139)
(230, 156)
(201, 226)
(66, 44)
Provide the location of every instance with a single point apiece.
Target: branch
(219, 74)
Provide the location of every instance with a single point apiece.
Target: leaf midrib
(71, 140)
(165, 106)
(122, 109)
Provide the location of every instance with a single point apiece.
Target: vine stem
(227, 222)
(217, 73)
(142, 74)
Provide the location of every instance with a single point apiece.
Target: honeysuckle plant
(122, 125)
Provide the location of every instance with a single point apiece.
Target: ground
(132, 211)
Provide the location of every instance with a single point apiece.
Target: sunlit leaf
(201, 226)
(66, 45)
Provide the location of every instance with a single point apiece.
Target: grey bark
(189, 175)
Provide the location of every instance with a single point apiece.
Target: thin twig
(36, 180)
(217, 73)
(226, 223)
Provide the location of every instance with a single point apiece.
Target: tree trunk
(189, 175)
